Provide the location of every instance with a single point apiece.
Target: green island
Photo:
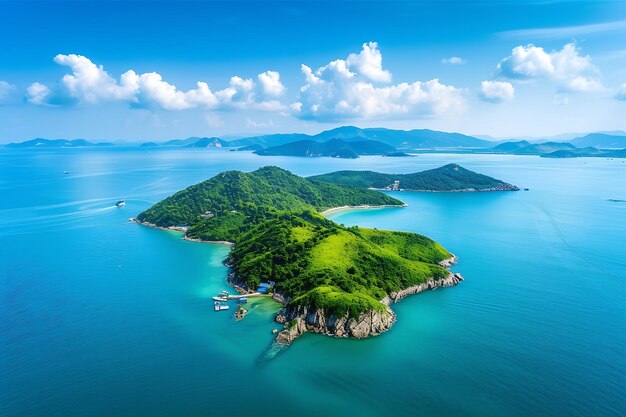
(448, 178)
(331, 279)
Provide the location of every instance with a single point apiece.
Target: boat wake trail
(26, 220)
(570, 248)
(272, 351)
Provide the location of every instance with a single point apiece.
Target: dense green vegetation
(273, 218)
(450, 177)
(256, 195)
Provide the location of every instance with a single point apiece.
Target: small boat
(120, 203)
(66, 172)
(222, 299)
(219, 307)
(526, 189)
(243, 300)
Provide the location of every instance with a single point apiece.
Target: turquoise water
(102, 317)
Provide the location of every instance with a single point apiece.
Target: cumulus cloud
(621, 93)
(369, 63)
(90, 83)
(351, 88)
(270, 84)
(152, 91)
(496, 91)
(7, 92)
(37, 94)
(454, 60)
(570, 71)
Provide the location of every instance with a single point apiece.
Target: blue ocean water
(101, 317)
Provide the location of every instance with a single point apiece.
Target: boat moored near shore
(218, 306)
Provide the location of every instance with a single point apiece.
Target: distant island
(601, 140)
(557, 149)
(401, 139)
(56, 143)
(331, 279)
(336, 148)
(193, 142)
(353, 142)
(451, 177)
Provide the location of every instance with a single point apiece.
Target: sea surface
(103, 317)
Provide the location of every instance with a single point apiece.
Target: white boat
(120, 203)
(222, 299)
(218, 306)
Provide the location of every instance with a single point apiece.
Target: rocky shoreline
(182, 229)
(301, 319)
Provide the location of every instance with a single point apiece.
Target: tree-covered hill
(451, 177)
(273, 218)
(266, 189)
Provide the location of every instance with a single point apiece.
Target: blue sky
(130, 70)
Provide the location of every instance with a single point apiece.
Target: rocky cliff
(449, 281)
(301, 319)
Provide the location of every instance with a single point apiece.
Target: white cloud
(369, 63)
(89, 83)
(496, 91)
(570, 71)
(621, 93)
(153, 91)
(7, 92)
(270, 84)
(346, 89)
(240, 92)
(454, 60)
(37, 94)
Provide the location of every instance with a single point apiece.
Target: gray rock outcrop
(303, 319)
